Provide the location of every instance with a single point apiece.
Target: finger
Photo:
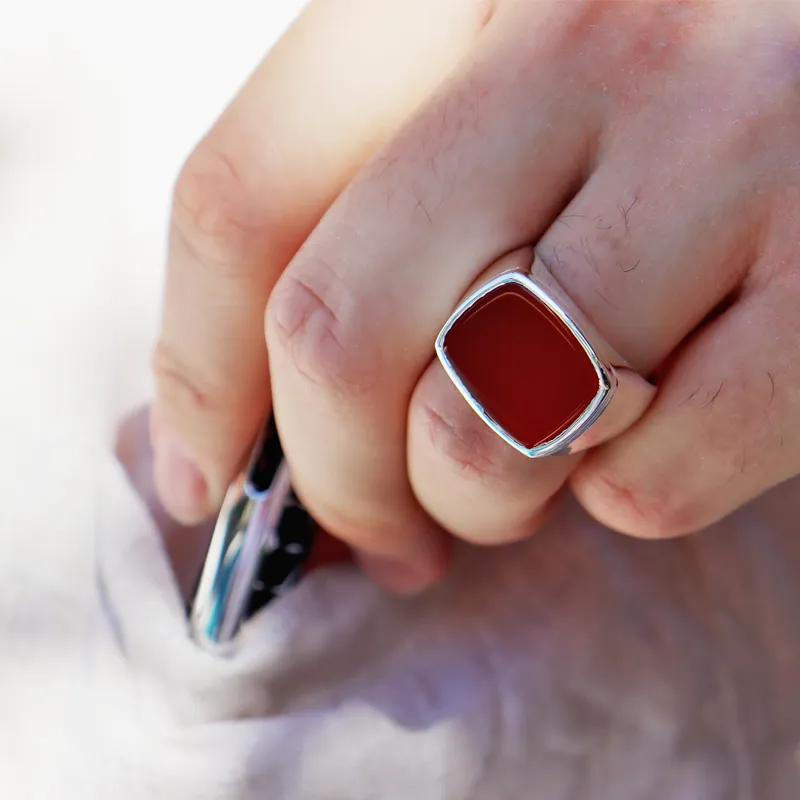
(632, 398)
(466, 476)
(319, 104)
(628, 258)
(628, 253)
(469, 479)
(352, 322)
(723, 430)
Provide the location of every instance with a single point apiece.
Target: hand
(649, 151)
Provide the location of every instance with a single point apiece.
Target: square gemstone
(522, 364)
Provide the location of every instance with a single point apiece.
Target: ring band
(530, 364)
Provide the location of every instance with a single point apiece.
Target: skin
(350, 196)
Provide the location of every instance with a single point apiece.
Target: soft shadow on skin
(185, 547)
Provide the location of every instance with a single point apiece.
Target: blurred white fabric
(578, 665)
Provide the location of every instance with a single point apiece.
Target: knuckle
(216, 213)
(627, 507)
(462, 439)
(179, 387)
(591, 244)
(316, 320)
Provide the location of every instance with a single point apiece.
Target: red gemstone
(522, 364)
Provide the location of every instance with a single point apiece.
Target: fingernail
(396, 576)
(183, 489)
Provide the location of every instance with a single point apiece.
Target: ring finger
(540, 379)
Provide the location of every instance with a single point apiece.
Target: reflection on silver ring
(516, 351)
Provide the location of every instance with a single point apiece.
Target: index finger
(322, 101)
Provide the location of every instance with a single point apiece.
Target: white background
(100, 102)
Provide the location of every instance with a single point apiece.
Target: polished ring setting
(528, 362)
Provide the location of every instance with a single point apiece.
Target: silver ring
(531, 365)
